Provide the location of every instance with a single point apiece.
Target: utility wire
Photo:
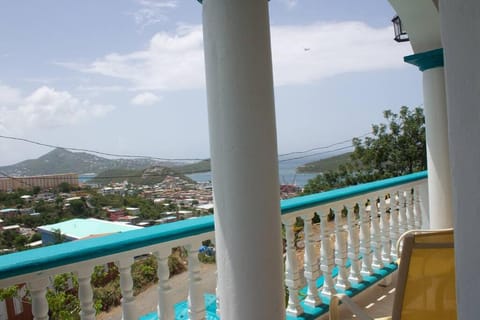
(316, 154)
(99, 152)
(324, 147)
(184, 159)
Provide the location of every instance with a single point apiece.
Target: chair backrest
(426, 277)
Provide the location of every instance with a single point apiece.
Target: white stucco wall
(460, 26)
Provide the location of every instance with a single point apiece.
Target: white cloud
(152, 12)
(290, 3)
(301, 54)
(145, 99)
(170, 62)
(9, 95)
(48, 108)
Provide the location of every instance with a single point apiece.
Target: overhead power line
(307, 153)
(99, 152)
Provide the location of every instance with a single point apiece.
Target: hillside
(326, 164)
(148, 176)
(201, 166)
(64, 161)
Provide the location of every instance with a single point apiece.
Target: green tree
(396, 148)
(78, 207)
(64, 187)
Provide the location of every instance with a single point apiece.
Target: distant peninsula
(326, 164)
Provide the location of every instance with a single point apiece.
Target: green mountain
(147, 176)
(64, 161)
(201, 166)
(326, 164)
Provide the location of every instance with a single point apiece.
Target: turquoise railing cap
(426, 60)
(35, 260)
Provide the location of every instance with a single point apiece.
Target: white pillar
(244, 159)
(439, 181)
(436, 127)
(460, 25)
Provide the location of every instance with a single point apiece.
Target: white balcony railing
(347, 254)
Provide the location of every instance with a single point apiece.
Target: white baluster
(341, 251)
(165, 306)
(418, 210)
(365, 241)
(377, 262)
(38, 291)
(385, 231)
(292, 275)
(327, 257)
(85, 293)
(403, 212)
(217, 294)
(410, 213)
(196, 303)
(354, 246)
(311, 263)
(394, 225)
(126, 285)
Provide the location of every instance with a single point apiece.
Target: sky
(127, 76)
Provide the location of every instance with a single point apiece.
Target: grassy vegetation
(140, 177)
(201, 166)
(326, 164)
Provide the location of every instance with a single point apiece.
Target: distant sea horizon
(287, 174)
(286, 177)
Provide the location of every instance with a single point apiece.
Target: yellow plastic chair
(425, 283)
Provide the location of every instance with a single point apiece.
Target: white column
(376, 243)
(292, 274)
(394, 223)
(355, 276)
(244, 158)
(311, 263)
(126, 285)
(196, 303)
(460, 25)
(341, 251)
(327, 257)
(439, 181)
(85, 293)
(423, 197)
(165, 306)
(38, 291)
(436, 130)
(365, 240)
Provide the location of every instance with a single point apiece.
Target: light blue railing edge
(314, 200)
(35, 260)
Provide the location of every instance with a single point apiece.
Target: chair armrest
(334, 307)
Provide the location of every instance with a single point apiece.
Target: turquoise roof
(82, 228)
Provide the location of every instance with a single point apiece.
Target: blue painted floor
(181, 308)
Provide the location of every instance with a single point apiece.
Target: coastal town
(44, 210)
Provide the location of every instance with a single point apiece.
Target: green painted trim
(77, 251)
(35, 260)
(426, 60)
(314, 200)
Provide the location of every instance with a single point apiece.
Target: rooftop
(82, 228)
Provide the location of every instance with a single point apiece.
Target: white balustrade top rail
(354, 251)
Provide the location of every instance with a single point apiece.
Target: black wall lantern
(400, 34)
